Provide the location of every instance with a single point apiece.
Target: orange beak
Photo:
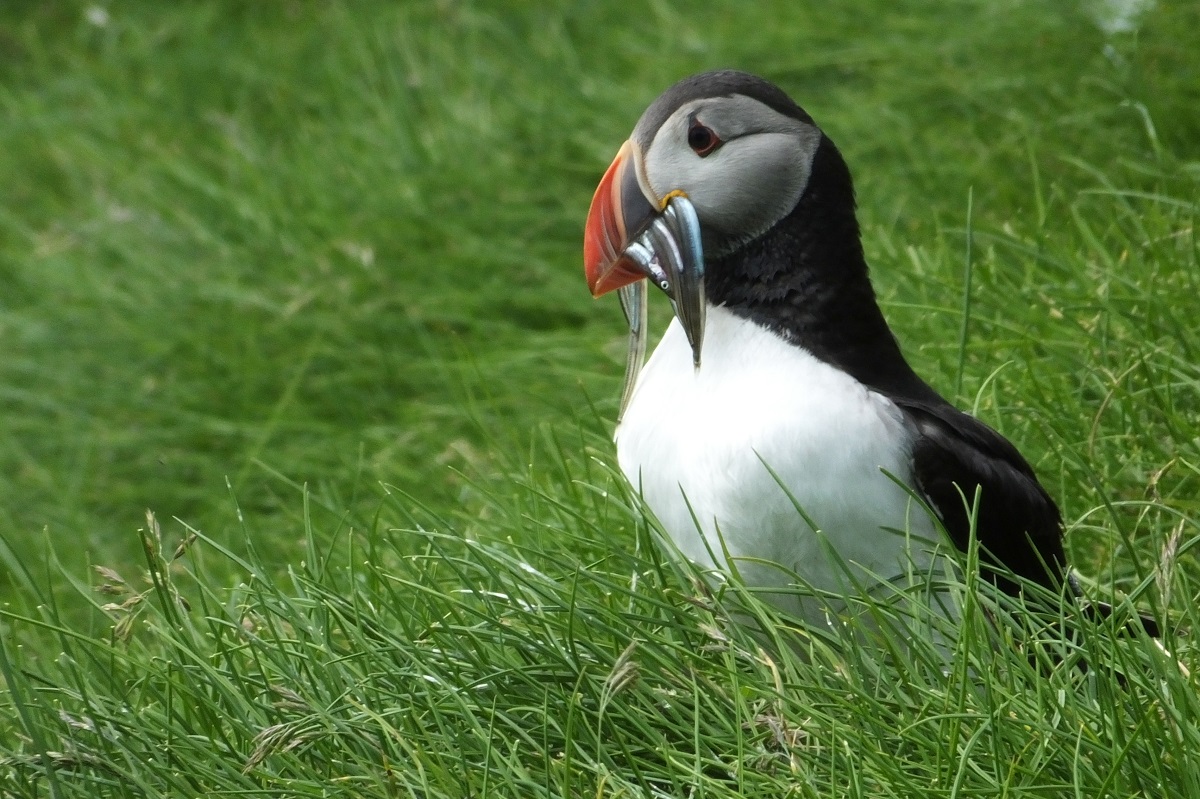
(620, 211)
(631, 235)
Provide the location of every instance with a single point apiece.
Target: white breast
(698, 446)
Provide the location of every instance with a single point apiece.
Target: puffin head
(714, 163)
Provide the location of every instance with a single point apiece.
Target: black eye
(701, 139)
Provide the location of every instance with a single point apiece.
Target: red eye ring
(702, 139)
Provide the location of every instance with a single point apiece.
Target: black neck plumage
(806, 279)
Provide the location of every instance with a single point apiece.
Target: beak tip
(594, 281)
(603, 277)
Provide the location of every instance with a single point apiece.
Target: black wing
(1018, 525)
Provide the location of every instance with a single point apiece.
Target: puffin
(777, 430)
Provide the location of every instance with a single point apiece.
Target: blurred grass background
(247, 248)
(338, 244)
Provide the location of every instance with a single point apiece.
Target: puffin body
(778, 430)
(761, 428)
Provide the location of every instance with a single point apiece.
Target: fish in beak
(633, 236)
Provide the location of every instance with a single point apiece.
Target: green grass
(305, 281)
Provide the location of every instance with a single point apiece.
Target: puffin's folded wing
(1018, 525)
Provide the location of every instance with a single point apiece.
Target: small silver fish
(669, 252)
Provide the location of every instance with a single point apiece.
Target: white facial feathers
(748, 183)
